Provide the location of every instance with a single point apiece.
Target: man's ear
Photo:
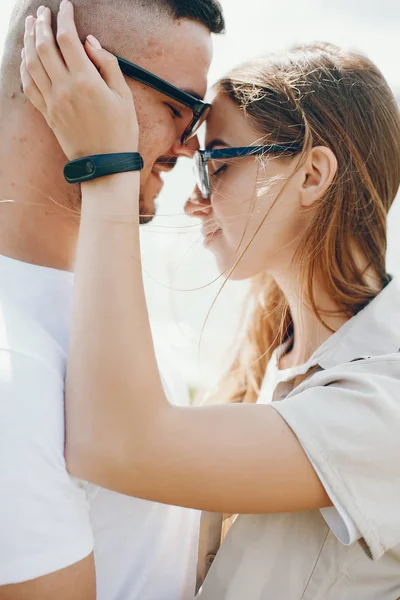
(319, 172)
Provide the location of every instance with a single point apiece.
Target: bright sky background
(172, 249)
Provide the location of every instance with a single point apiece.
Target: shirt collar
(373, 331)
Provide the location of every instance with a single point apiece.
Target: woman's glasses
(199, 108)
(202, 158)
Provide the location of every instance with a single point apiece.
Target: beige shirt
(346, 416)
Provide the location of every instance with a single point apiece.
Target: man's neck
(39, 211)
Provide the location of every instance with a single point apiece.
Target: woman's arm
(122, 433)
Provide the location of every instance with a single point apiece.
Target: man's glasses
(199, 108)
(202, 158)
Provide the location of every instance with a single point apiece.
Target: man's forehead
(180, 52)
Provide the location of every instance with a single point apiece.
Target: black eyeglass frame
(201, 158)
(199, 108)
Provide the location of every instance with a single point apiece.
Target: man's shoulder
(21, 335)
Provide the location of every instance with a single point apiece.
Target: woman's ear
(319, 172)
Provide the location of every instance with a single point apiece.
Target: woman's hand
(80, 90)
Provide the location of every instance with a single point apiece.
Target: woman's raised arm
(122, 433)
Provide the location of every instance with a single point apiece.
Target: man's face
(181, 56)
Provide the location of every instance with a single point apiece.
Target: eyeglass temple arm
(151, 80)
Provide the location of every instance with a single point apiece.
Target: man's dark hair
(91, 16)
(207, 12)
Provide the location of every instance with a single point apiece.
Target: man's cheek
(154, 142)
(161, 128)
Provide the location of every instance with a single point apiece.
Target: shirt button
(210, 559)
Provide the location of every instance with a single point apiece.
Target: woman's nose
(197, 206)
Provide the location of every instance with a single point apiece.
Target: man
(50, 523)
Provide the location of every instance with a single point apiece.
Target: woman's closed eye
(217, 168)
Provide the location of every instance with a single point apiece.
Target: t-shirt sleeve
(44, 519)
(348, 422)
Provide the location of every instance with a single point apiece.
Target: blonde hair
(320, 95)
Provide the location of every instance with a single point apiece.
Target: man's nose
(187, 149)
(197, 206)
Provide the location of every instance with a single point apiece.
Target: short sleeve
(348, 422)
(336, 516)
(44, 519)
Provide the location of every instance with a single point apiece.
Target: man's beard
(149, 194)
(145, 216)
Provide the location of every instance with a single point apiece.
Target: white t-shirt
(336, 516)
(49, 521)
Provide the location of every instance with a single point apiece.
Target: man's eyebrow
(193, 93)
(217, 142)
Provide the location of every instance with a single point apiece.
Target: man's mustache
(167, 162)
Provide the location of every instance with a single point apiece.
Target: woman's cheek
(233, 201)
(225, 209)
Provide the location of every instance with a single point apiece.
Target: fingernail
(29, 22)
(93, 42)
(40, 10)
(63, 4)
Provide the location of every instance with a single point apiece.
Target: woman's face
(241, 212)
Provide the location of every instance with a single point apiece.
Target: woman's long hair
(320, 95)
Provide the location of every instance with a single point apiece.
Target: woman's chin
(226, 258)
(226, 269)
(242, 271)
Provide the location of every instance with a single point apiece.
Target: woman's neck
(308, 331)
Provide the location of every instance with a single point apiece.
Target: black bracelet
(91, 167)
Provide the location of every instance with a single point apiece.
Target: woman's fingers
(30, 88)
(107, 64)
(87, 115)
(68, 40)
(46, 48)
(32, 61)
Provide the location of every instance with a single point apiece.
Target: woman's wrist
(95, 166)
(114, 196)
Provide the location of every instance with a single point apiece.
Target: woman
(302, 165)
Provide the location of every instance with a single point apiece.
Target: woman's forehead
(226, 120)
